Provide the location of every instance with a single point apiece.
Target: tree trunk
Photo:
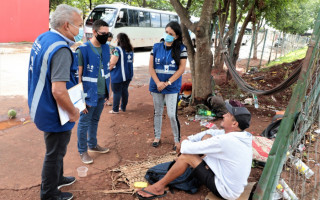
(218, 59)
(90, 4)
(236, 50)
(202, 59)
(255, 42)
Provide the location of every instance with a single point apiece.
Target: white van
(143, 26)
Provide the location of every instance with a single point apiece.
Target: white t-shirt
(229, 156)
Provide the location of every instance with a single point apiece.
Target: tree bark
(236, 50)
(202, 59)
(255, 42)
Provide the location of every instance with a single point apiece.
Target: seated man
(226, 165)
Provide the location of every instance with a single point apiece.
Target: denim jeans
(120, 92)
(88, 126)
(171, 101)
(52, 170)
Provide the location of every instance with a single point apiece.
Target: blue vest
(42, 105)
(74, 75)
(123, 70)
(164, 66)
(91, 64)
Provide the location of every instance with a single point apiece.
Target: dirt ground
(129, 136)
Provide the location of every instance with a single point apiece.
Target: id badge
(166, 68)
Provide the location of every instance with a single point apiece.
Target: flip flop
(154, 196)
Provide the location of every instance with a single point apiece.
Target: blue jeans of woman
(120, 92)
(88, 126)
(171, 104)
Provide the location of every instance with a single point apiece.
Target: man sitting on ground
(226, 165)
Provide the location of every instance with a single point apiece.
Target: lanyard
(95, 49)
(167, 56)
(97, 52)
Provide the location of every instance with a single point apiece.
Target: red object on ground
(186, 87)
(23, 20)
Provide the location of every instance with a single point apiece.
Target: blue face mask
(108, 42)
(168, 38)
(78, 37)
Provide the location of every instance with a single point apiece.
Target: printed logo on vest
(90, 68)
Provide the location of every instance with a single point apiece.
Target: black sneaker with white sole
(66, 181)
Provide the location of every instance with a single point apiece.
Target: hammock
(248, 88)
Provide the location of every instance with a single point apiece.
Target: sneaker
(99, 149)
(85, 158)
(65, 196)
(66, 181)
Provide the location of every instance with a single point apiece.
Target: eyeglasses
(104, 33)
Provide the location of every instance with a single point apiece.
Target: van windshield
(106, 14)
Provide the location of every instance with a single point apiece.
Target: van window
(133, 17)
(106, 14)
(164, 20)
(124, 20)
(174, 18)
(155, 20)
(144, 19)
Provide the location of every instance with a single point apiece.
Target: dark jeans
(120, 91)
(52, 170)
(88, 126)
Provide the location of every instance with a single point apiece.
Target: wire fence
(271, 45)
(292, 170)
(300, 175)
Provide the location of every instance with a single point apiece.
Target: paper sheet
(77, 98)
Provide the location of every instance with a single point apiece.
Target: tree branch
(183, 14)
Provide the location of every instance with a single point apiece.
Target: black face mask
(102, 39)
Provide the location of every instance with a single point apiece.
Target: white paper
(77, 98)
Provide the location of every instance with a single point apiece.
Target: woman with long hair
(121, 69)
(166, 66)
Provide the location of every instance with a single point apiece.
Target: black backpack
(186, 182)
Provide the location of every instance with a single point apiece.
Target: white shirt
(229, 156)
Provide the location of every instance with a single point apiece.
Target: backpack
(186, 182)
(272, 129)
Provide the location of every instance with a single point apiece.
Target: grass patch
(290, 57)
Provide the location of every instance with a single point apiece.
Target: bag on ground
(185, 182)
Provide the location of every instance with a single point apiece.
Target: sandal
(113, 112)
(154, 196)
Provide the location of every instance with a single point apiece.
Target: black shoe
(174, 148)
(66, 181)
(65, 196)
(156, 144)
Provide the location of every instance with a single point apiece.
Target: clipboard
(77, 97)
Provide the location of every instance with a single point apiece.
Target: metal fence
(293, 167)
(271, 45)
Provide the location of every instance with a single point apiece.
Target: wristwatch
(169, 82)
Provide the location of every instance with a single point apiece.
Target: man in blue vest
(94, 57)
(51, 61)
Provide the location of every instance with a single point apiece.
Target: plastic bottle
(302, 167)
(206, 112)
(289, 192)
(255, 101)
